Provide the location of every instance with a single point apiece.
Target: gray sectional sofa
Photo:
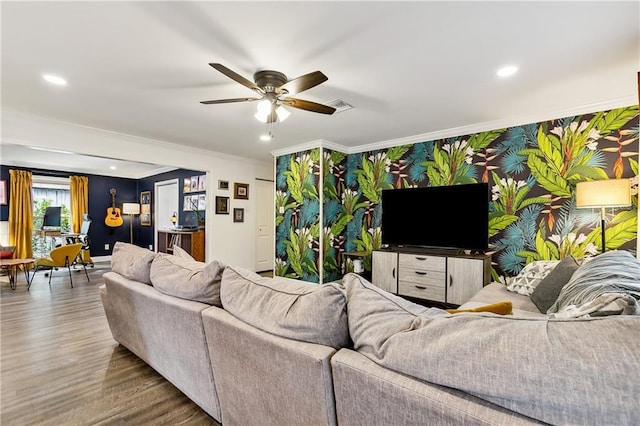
(277, 351)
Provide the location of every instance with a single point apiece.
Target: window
(49, 191)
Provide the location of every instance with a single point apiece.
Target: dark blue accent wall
(127, 191)
(145, 237)
(4, 210)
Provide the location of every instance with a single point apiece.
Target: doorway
(265, 225)
(166, 203)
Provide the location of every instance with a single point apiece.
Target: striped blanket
(607, 284)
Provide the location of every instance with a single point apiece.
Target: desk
(48, 232)
(12, 268)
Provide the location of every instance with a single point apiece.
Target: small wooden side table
(12, 265)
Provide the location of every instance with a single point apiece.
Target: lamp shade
(130, 208)
(604, 193)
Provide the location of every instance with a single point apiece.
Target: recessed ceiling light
(112, 167)
(54, 79)
(507, 71)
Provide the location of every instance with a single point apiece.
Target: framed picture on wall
(186, 204)
(202, 202)
(3, 192)
(222, 205)
(194, 183)
(223, 184)
(238, 215)
(145, 208)
(241, 191)
(202, 182)
(186, 185)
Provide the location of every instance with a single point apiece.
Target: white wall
(233, 243)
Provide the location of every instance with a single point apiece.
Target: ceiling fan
(275, 91)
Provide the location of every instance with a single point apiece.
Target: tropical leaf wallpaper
(298, 215)
(532, 171)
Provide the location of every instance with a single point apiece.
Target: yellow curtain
(21, 213)
(79, 186)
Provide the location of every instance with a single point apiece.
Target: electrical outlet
(106, 246)
(151, 247)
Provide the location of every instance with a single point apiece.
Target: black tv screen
(455, 217)
(52, 217)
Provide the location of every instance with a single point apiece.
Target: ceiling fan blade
(304, 82)
(236, 77)
(308, 105)
(228, 101)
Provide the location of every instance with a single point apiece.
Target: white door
(166, 203)
(265, 225)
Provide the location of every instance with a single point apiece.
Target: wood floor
(60, 365)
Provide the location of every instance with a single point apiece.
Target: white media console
(422, 274)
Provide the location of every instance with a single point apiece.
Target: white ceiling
(408, 68)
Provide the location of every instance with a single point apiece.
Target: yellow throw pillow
(500, 308)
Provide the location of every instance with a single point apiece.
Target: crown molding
(496, 124)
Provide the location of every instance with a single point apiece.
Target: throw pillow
(546, 293)
(500, 308)
(132, 262)
(375, 315)
(531, 275)
(187, 278)
(615, 271)
(315, 313)
(182, 253)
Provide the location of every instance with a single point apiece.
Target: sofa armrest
(164, 331)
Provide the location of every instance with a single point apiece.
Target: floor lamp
(131, 209)
(601, 194)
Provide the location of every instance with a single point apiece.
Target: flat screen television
(446, 217)
(52, 217)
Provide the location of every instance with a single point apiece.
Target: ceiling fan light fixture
(282, 113)
(264, 107)
(262, 117)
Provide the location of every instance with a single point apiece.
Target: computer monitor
(52, 217)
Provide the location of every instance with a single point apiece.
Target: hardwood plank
(59, 364)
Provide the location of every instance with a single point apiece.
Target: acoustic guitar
(114, 218)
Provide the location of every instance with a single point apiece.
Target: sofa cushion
(293, 309)
(615, 271)
(182, 253)
(531, 275)
(579, 371)
(132, 262)
(546, 293)
(187, 278)
(494, 292)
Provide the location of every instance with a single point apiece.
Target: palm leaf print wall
(531, 169)
(298, 215)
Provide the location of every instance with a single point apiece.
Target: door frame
(156, 199)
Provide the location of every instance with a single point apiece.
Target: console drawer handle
(420, 287)
(420, 273)
(421, 258)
